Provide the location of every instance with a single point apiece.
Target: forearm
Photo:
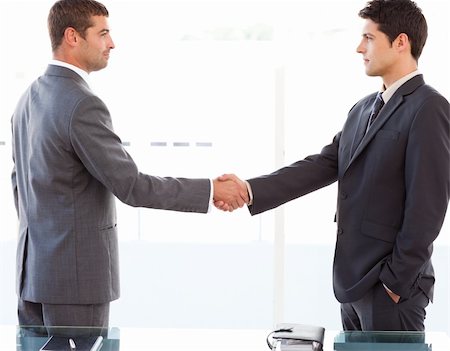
(102, 154)
(295, 180)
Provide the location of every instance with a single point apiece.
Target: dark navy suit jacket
(393, 190)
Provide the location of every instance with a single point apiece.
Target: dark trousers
(377, 311)
(54, 315)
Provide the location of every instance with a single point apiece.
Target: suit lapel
(384, 115)
(361, 140)
(360, 131)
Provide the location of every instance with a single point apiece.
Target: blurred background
(202, 88)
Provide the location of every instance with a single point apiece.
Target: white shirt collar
(389, 92)
(79, 71)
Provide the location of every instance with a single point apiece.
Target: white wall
(205, 72)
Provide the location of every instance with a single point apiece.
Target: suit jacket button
(340, 231)
(343, 196)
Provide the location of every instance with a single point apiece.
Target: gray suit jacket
(68, 166)
(393, 192)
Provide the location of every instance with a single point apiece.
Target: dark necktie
(377, 105)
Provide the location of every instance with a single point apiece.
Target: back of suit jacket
(69, 165)
(393, 192)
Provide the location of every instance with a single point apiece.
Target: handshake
(230, 193)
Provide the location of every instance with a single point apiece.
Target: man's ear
(402, 43)
(71, 36)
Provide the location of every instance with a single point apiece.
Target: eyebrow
(368, 35)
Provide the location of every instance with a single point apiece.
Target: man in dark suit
(392, 164)
(68, 167)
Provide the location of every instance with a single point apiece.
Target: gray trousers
(377, 311)
(52, 315)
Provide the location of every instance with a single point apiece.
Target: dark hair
(72, 13)
(399, 16)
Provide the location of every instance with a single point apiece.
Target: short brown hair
(72, 13)
(399, 16)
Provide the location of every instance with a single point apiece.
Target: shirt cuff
(388, 289)
(211, 194)
(250, 193)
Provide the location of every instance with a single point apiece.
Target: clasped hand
(230, 192)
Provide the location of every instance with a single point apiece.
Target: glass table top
(148, 339)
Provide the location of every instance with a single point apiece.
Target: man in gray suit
(393, 173)
(68, 167)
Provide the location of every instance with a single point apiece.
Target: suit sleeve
(14, 177)
(298, 179)
(427, 180)
(14, 188)
(102, 153)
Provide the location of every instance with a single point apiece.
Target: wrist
(250, 193)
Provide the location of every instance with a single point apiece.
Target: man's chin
(371, 72)
(99, 67)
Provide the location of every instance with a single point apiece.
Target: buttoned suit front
(393, 191)
(69, 166)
